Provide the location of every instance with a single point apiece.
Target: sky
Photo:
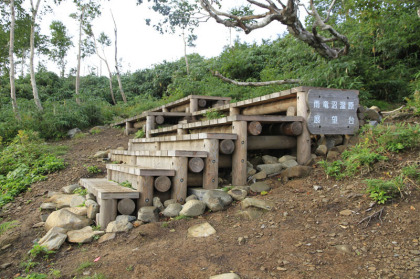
(139, 45)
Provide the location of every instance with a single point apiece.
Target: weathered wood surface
(254, 128)
(141, 171)
(162, 183)
(126, 206)
(211, 169)
(226, 146)
(269, 108)
(287, 129)
(105, 189)
(107, 211)
(159, 119)
(161, 153)
(239, 157)
(145, 189)
(271, 142)
(304, 139)
(196, 164)
(332, 112)
(202, 103)
(179, 185)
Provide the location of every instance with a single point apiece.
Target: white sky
(139, 45)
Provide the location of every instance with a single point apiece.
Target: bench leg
(107, 212)
(179, 185)
(145, 187)
(211, 167)
(304, 139)
(239, 156)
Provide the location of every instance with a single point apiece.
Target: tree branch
(255, 84)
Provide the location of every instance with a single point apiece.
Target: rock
(168, 202)
(44, 217)
(214, 204)
(193, 208)
(101, 154)
(321, 150)
(69, 189)
(84, 235)
(52, 193)
(90, 202)
(340, 148)
(6, 246)
(286, 158)
(262, 204)
(225, 197)
(238, 194)
(246, 188)
(250, 213)
(120, 148)
(118, 226)
(241, 240)
(90, 197)
(61, 200)
(172, 210)
(371, 114)
(225, 276)
(260, 175)
(48, 206)
(54, 238)
(80, 211)
(346, 212)
(333, 155)
(267, 159)
(295, 172)
(289, 164)
(106, 237)
(201, 230)
(158, 204)
(259, 187)
(92, 210)
(317, 187)
(5, 265)
(191, 197)
(38, 225)
(344, 248)
(71, 133)
(148, 214)
(125, 218)
(250, 171)
(270, 168)
(66, 220)
(77, 200)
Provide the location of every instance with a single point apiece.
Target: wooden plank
(105, 189)
(136, 170)
(169, 114)
(268, 118)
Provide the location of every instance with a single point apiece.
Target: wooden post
(234, 111)
(226, 146)
(211, 167)
(179, 188)
(181, 131)
(162, 183)
(129, 127)
(304, 139)
(239, 156)
(146, 191)
(196, 164)
(291, 111)
(164, 109)
(150, 125)
(193, 105)
(126, 206)
(107, 212)
(254, 128)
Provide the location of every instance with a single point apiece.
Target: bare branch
(256, 84)
(329, 12)
(377, 214)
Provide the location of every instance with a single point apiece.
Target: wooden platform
(139, 171)
(105, 189)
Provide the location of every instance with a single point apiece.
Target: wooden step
(161, 153)
(140, 171)
(105, 189)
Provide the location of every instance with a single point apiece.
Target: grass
(83, 266)
(8, 225)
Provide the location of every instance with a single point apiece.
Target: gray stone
(295, 172)
(5, 265)
(260, 175)
(224, 197)
(69, 189)
(44, 217)
(77, 200)
(346, 212)
(193, 208)
(52, 193)
(84, 235)
(172, 210)
(61, 200)
(66, 220)
(92, 210)
(201, 230)
(80, 211)
(270, 168)
(125, 218)
(119, 226)
(333, 155)
(158, 204)
(90, 196)
(262, 204)
(54, 238)
(250, 171)
(168, 202)
(101, 154)
(148, 214)
(259, 187)
(250, 213)
(371, 114)
(321, 150)
(267, 159)
(344, 249)
(286, 158)
(38, 225)
(249, 165)
(90, 202)
(246, 188)
(191, 197)
(71, 133)
(289, 164)
(225, 276)
(48, 206)
(106, 237)
(198, 192)
(214, 204)
(317, 187)
(238, 194)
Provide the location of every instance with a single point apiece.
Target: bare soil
(301, 238)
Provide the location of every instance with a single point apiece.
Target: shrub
(383, 190)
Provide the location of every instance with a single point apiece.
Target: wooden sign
(332, 112)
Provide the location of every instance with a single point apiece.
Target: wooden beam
(196, 164)
(271, 142)
(150, 125)
(159, 119)
(146, 191)
(179, 188)
(126, 206)
(239, 157)
(107, 211)
(211, 167)
(270, 108)
(304, 139)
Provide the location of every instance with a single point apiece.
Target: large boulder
(295, 172)
(69, 189)
(61, 200)
(287, 158)
(77, 200)
(172, 210)
(148, 214)
(201, 230)
(193, 208)
(66, 220)
(270, 168)
(289, 164)
(225, 198)
(259, 187)
(121, 225)
(84, 235)
(71, 133)
(238, 194)
(262, 204)
(267, 159)
(54, 238)
(80, 211)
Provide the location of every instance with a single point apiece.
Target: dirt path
(304, 237)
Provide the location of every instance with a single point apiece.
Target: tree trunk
(117, 70)
(79, 57)
(12, 64)
(31, 57)
(110, 82)
(185, 54)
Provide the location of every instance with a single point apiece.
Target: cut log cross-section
(226, 146)
(162, 183)
(196, 164)
(254, 128)
(126, 206)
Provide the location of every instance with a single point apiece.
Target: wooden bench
(108, 195)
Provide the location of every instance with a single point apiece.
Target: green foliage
(83, 266)
(8, 225)
(181, 217)
(140, 134)
(396, 138)
(28, 265)
(126, 184)
(213, 114)
(35, 276)
(93, 169)
(26, 160)
(413, 103)
(227, 188)
(39, 250)
(80, 191)
(54, 273)
(383, 190)
(412, 172)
